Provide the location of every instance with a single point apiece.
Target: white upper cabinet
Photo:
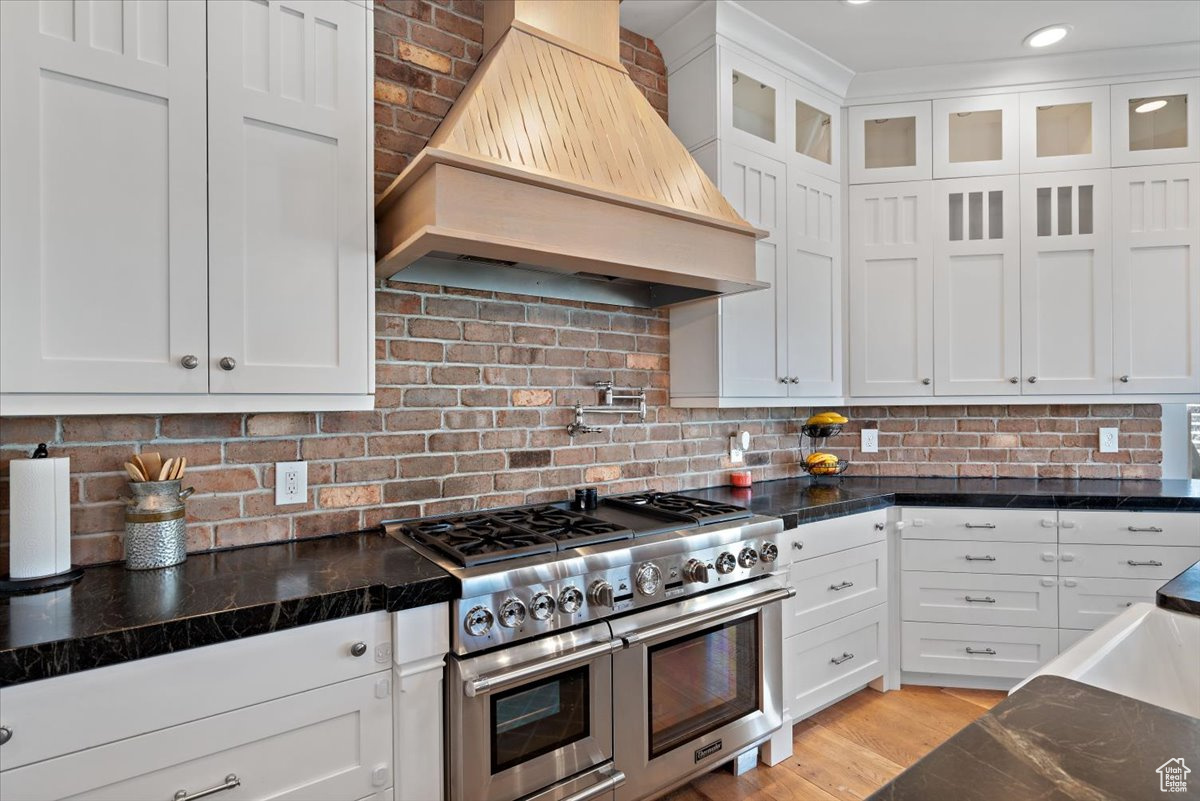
(890, 142)
(976, 136)
(1066, 283)
(289, 220)
(1064, 129)
(752, 104)
(813, 286)
(977, 286)
(1156, 122)
(102, 218)
(814, 133)
(754, 324)
(1156, 276)
(891, 290)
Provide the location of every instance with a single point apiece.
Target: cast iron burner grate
(570, 529)
(679, 507)
(483, 538)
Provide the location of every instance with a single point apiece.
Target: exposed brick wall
(474, 390)
(425, 52)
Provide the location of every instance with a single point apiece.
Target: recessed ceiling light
(1044, 37)
(855, 2)
(1150, 105)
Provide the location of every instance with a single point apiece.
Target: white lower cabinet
(1086, 603)
(980, 556)
(329, 743)
(1009, 652)
(1160, 562)
(832, 660)
(984, 599)
(831, 587)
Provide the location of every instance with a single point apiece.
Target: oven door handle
(482, 685)
(752, 603)
(610, 782)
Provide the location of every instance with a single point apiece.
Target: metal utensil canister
(155, 524)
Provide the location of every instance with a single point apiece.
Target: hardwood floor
(851, 749)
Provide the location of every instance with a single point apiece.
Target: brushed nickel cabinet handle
(793, 379)
(880, 526)
(988, 558)
(842, 586)
(1145, 529)
(988, 651)
(227, 363)
(845, 657)
(231, 781)
(358, 649)
(987, 599)
(926, 381)
(1033, 379)
(189, 362)
(1124, 379)
(1147, 563)
(980, 525)
(1014, 380)
(5, 734)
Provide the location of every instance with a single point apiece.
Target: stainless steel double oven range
(611, 653)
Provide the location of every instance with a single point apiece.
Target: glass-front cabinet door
(1064, 129)
(752, 110)
(976, 136)
(890, 142)
(813, 133)
(1155, 122)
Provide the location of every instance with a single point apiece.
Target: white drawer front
(81, 710)
(1126, 561)
(836, 585)
(974, 598)
(827, 662)
(1085, 603)
(993, 525)
(1068, 637)
(963, 556)
(1011, 652)
(811, 540)
(1130, 528)
(333, 743)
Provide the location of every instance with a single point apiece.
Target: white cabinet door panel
(103, 282)
(825, 663)
(890, 142)
(977, 287)
(833, 586)
(1065, 129)
(1169, 134)
(1129, 528)
(754, 324)
(1085, 603)
(1001, 651)
(973, 598)
(1066, 283)
(976, 136)
(963, 556)
(814, 286)
(993, 525)
(891, 290)
(1156, 279)
(1161, 562)
(289, 215)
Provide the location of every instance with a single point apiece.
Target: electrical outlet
(291, 483)
(870, 440)
(1108, 440)
(738, 443)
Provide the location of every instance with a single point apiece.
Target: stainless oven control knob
(512, 613)
(726, 563)
(748, 557)
(648, 579)
(542, 606)
(601, 593)
(696, 571)
(479, 621)
(570, 600)
(768, 552)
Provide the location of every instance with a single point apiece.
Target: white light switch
(1108, 440)
(870, 440)
(291, 483)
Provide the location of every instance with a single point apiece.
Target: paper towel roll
(40, 517)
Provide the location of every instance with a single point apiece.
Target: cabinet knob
(5, 734)
(189, 362)
(1124, 379)
(783, 379)
(227, 363)
(1014, 380)
(926, 381)
(358, 649)
(1033, 379)
(793, 380)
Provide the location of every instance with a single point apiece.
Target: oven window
(702, 681)
(535, 719)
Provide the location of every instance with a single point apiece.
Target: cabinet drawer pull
(799, 546)
(842, 586)
(880, 526)
(988, 558)
(189, 362)
(1145, 529)
(985, 651)
(358, 649)
(980, 525)
(845, 657)
(227, 364)
(987, 599)
(231, 781)
(1147, 563)
(5, 734)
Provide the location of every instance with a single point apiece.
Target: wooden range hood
(552, 175)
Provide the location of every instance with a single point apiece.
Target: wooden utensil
(165, 471)
(134, 472)
(153, 463)
(180, 464)
(141, 466)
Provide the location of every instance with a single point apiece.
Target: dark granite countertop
(1056, 740)
(1182, 593)
(804, 500)
(114, 615)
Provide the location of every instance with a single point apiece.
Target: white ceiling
(889, 34)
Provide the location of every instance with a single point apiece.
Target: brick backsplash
(475, 389)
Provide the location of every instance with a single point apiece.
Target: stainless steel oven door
(697, 682)
(527, 716)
